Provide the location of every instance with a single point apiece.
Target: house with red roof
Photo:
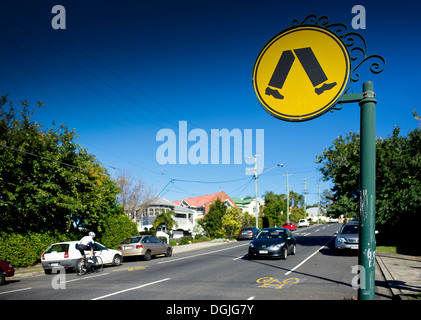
(202, 204)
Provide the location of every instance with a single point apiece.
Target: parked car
(247, 233)
(347, 237)
(303, 223)
(290, 226)
(6, 270)
(144, 246)
(273, 242)
(66, 255)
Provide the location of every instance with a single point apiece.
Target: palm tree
(165, 219)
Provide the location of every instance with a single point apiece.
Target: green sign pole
(367, 241)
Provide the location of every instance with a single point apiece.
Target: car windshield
(350, 229)
(271, 234)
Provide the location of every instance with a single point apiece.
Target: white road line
(238, 258)
(88, 277)
(251, 298)
(16, 290)
(130, 289)
(309, 257)
(201, 254)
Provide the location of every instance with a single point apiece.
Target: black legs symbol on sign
(311, 66)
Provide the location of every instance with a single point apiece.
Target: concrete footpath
(398, 276)
(401, 274)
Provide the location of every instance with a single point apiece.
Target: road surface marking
(309, 257)
(201, 254)
(16, 290)
(130, 289)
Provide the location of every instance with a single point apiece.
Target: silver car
(347, 237)
(144, 246)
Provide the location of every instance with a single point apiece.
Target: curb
(390, 280)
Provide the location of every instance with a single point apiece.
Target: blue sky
(122, 71)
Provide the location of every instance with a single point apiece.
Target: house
(184, 217)
(201, 205)
(249, 205)
(315, 215)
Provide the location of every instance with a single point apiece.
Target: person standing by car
(86, 243)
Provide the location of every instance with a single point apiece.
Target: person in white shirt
(86, 243)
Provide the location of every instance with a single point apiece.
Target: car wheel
(251, 255)
(147, 256)
(116, 260)
(284, 255)
(294, 249)
(168, 253)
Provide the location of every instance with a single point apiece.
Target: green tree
(48, 181)
(398, 180)
(212, 222)
(117, 227)
(165, 220)
(231, 222)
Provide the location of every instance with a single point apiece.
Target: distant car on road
(290, 226)
(347, 237)
(273, 242)
(6, 270)
(66, 255)
(303, 223)
(247, 233)
(144, 246)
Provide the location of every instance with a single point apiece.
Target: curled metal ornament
(355, 44)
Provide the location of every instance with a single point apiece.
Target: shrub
(117, 228)
(25, 250)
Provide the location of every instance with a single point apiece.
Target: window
(59, 247)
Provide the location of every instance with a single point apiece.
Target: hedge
(25, 250)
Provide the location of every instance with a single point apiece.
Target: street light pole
(255, 184)
(367, 240)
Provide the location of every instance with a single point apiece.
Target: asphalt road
(223, 272)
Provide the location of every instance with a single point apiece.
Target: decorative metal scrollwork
(355, 44)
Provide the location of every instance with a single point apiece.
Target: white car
(66, 255)
(303, 223)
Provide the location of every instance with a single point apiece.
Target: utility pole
(255, 185)
(318, 206)
(305, 192)
(288, 174)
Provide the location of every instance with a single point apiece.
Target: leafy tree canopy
(47, 180)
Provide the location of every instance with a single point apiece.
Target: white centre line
(16, 290)
(201, 254)
(305, 260)
(130, 289)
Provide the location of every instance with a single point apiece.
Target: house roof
(205, 200)
(239, 201)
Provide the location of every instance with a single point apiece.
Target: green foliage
(25, 250)
(398, 180)
(231, 222)
(117, 228)
(275, 205)
(48, 181)
(166, 220)
(212, 223)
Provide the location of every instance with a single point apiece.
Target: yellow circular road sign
(301, 73)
